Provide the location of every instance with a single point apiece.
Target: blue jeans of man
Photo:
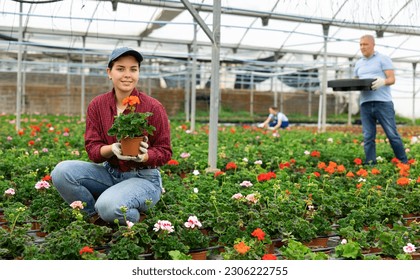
(105, 189)
(382, 112)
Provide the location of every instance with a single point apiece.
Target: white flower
(410, 248)
(258, 162)
(330, 140)
(361, 180)
(344, 241)
(379, 159)
(245, 159)
(414, 140)
(307, 153)
(196, 172)
(195, 190)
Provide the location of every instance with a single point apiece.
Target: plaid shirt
(100, 117)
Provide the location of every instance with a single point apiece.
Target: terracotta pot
(202, 255)
(319, 242)
(130, 146)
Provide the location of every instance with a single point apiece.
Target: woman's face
(124, 74)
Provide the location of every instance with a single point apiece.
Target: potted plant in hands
(131, 127)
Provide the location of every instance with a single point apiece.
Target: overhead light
(264, 21)
(379, 33)
(114, 5)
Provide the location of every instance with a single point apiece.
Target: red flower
(86, 249)
(218, 173)
(284, 165)
(315, 154)
(173, 162)
(258, 233)
(231, 165)
(268, 257)
(395, 160)
(357, 161)
(46, 178)
(31, 142)
(317, 174)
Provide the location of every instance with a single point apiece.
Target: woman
(115, 186)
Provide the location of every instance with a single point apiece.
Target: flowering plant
(166, 241)
(132, 124)
(253, 247)
(191, 236)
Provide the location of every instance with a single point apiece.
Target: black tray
(350, 84)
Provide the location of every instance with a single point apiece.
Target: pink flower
(77, 204)
(237, 196)
(344, 241)
(163, 225)
(129, 224)
(246, 184)
(9, 138)
(41, 185)
(9, 192)
(192, 222)
(410, 248)
(185, 155)
(251, 198)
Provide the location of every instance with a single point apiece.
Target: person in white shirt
(275, 119)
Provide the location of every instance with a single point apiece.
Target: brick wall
(48, 94)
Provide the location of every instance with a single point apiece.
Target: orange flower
(258, 233)
(358, 186)
(330, 169)
(404, 181)
(321, 165)
(131, 100)
(350, 174)
(341, 168)
(362, 172)
(241, 248)
(268, 257)
(375, 171)
(86, 249)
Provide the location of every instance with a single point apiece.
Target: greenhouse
(231, 189)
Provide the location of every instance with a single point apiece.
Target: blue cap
(124, 50)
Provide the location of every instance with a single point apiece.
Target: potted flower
(192, 237)
(131, 126)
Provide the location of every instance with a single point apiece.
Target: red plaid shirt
(100, 117)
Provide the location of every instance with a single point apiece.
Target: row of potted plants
(291, 185)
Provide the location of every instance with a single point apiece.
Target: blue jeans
(384, 113)
(105, 189)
